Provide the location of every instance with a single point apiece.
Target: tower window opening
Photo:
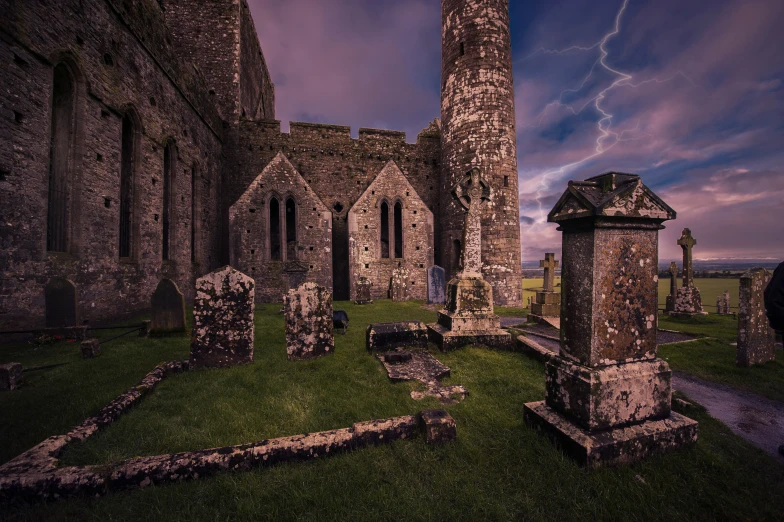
(462, 48)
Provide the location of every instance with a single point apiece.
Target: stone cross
(471, 192)
(687, 243)
(673, 278)
(550, 264)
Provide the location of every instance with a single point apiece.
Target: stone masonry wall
(478, 130)
(121, 56)
(364, 223)
(249, 226)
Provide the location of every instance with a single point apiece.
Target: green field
(709, 289)
(498, 469)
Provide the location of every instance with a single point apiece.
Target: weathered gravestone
(223, 319)
(723, 304)
(468, 316)
(309, 322)
(608, 397)
(10, 376)
(90, 348)
(436, 285)
(687, 299)
(363, 291)
(756, 339)
(60, 302)
(673, 270)
(398, 286)
(168, 308)
(548, 302)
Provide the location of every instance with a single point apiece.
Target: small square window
(367, 265)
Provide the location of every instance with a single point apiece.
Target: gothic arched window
(60, 146)
(384, 230)
(398, 230)
(274, 228)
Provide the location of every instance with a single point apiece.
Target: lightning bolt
(604, 124)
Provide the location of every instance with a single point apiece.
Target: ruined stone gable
(263, 243)
(389, 227)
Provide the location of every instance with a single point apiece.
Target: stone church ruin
(144, 146)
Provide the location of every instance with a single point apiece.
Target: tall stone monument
(688, 302)
(756, 339)
(223, 327)
(607, 394)
(548, 301)
(673, 270)
(468, 316)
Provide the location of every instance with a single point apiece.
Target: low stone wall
(34, 475)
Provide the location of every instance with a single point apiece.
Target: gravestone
(385, 336)
(10, 376)
(688, 302)
(436, 285)
(608, 397)
(309, 322)
(60, 301)
(223, 326)
(673, 270)
(168, 309)
(548, 302)
(468, 316)
(723, 304)
(363, 291)
(756, 339)
(90, 348)
(398, 287)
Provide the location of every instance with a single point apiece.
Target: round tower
(478, 130)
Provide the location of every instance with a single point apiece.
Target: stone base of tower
(615, 446)
(468, 317)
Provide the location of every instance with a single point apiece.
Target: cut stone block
(309, 322)
(438, 425)
(616, 446)
(610, 396)
(10, 376)
(91, 348)
(223, 327)
(384, 336)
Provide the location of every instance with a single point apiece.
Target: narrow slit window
(274, 217)
(462, 48)
(126, 187)
(63, 95)
(169, 168)
(384, 230)
(195, 213)
(291, 229)
(398, 230)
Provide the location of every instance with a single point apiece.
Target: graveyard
(496, 468)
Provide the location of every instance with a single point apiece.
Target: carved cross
(687, 243)
(472, 192)
(673, 278)
(550, 264)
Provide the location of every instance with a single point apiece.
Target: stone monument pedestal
(608, 397)
(468, 316)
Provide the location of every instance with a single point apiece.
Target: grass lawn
(498, 469)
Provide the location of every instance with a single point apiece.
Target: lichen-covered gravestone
(223, 319)
(309, 325)
(548, 301)
(608, 397)
(398, 289)
(168, 308)
(363, 291)
(61, 306)
(436, 285)
(756, 339)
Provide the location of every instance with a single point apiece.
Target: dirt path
(755, 418)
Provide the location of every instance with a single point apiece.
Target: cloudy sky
(688, 94)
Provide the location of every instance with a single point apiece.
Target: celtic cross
(472, 192)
